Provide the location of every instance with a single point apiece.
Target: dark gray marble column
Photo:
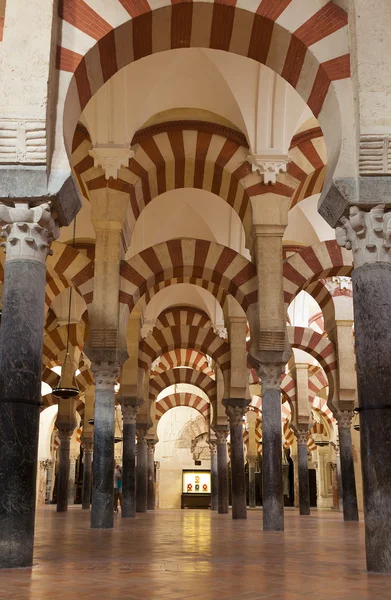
(339, 477)
(304, 481)
(142, 469)
(105, 375)
(129, 413)
(213, 474)
(236, 409)
(272, 490)
(87, 476)
(372, 310)
(349, 495)
(63, 470)
(251, 481)
(151, 475)
(222, 469)
(27, 234)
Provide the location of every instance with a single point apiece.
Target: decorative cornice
(375, 154)
(367, 234)
(23, 141)
(190, 125)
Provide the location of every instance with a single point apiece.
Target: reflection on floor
(194, 554)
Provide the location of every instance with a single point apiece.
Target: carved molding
(375, 154)
(221, 331)
(367, 234)
(235, 414)
(28, 232)
(111, 159)
(105, 374)
(22, 141)
(269, 165)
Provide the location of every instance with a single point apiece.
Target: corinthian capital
(129, 414)
(28, 231)
(270, 374)
(105, 374)
(344, 418)
(235, 414)
(367, 234)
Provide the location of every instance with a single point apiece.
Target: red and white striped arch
(309, 163)
(175, 376)
(304, 42)
(183, 316)
(318, 346)
(183, 399)
(183, 357)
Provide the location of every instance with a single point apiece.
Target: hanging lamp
(67, 386)
(356, 420)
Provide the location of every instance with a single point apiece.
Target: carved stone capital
(151, 446)
(73, 456)
(111, 158)
(270, 374)
(88, 446)
(129, 414)
(221, 331)
(221, 435)
(28, 231)
(344, 418)
(367, 234)
(235, 414)
(213, 447)
(141, 431)
(105, 374)
(44, 465)
(302, 436)
(269, 165)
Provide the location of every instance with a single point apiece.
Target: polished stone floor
(193, 554)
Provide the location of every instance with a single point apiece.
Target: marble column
(142, 469)
(334, 479)
(27, 234)
(213, 474)
(105, 375)
(236, 410)
(367, 233)
(304, 481)
(63, 469)
(72, 477)
(129, 414)
(273, 498)
(222, 469)
(339, 476)
(151, 475)
(42, 482)
(349, 495)
(87, 476)
(252, 461)
(295, 460)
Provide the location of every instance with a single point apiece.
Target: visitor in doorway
(117, 487)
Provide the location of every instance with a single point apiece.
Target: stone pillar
(335, 486)
(304, 482)
(28, 233)
(42, 482)
(105, 375)
(236, 409)
(222, 469)
(273, 498)
(142, 469)
(87, 476)
(50, 481)
(295, 460)
(368, 235)
(151, 475)
(252, 461)
(213, 474)
(63, 469)
(349, 496)
(129, 414)
(72, 476)
(339, 477)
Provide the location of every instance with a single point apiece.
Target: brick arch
(183, 399)
(263, 34)
(183, 357)
(183, 315)
(194, 261)
(174, 376)
(309, 163)
(171, 338)
(304, 269)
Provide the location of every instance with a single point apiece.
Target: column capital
(88, 446)
(141, 431)
(28, 230)
(105, 374)
(151, 446)
(235, 414)
(73, 456)
(302, 436)
(269, 165)
(252, 461)
(221, 435)
(213, 447)
(367, 233)
(129, 413)
(344, 418)
(270, 374)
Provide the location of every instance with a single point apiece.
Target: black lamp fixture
(322, 443)
(67, 386)
(356, 425)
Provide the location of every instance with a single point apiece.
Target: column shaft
(273, 499)
(238, 476)
(129, 470)
(142, 475)
(372, 309)
(213, 477)
(251, 484)
(63, 472)
(71, 485)
(349, 495)
(87, 480)
(222, 475)
(304, 481)
(151, 477)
